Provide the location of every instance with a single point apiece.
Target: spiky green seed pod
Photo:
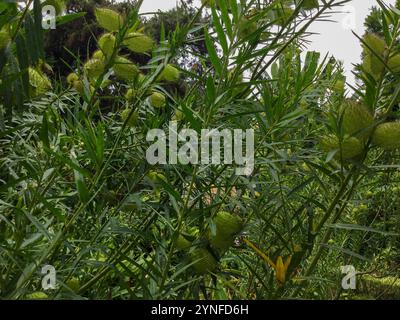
(98, 55)
(169, 74)
(357, 120)
(133, 119)
(59, 5)
(310, 4)
(375, 49)
(227, 227)
(157, 100)
(374, 43)
(373, 65)
(182, 243)
(94, 68)
(349, 148)
(107, 44)
(246, 28)
(178, 115)
(109, 19)
(130, 95)
(125, 69)
(139, 42)
(339, 86)
(204, 261)
(387, 136)
(227, 223)
(74, 284)
(394, 63)
(71, 78)
(4, 39)
(38, 82)
(37, 296)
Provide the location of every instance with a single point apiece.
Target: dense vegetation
(77, 193)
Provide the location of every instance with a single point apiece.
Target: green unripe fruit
(4, 39)
(155, 177)
(74, 284)
(357, 120)
(394, 63)
(107, 44)
(204, 261)
(178, 115)
(182, 243)
(349, 148)
(37, 296)
(227, 223)
(130, 95)
(99, 55)
(387, 136)
(125, 69)
(138, 42)
(170, 74)
(374, 47)
(310, 4)
(246, 28)
(339, 86)
(71, 78)
(227, 227)
(157, 100)
(375, 43)
(132, 122)
(109, 19)
(94, 68)
(38, 83)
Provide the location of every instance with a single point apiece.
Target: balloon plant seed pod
(182, 243)
(109, 19)
(71, 78)
(387, 136)
(38, 83)
(169, 74)
(394, 63)
(227, 227)
(74, 284)
(37, 296)
(130, 95)
(125, 69)
(139, 42)
(347, 149)
(107, 43)
(98, 55)
(94, 68)
(204, 261)
(357, 119)
(158, 100)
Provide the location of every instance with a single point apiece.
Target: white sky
(333, 38)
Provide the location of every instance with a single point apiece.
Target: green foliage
(78, 193)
